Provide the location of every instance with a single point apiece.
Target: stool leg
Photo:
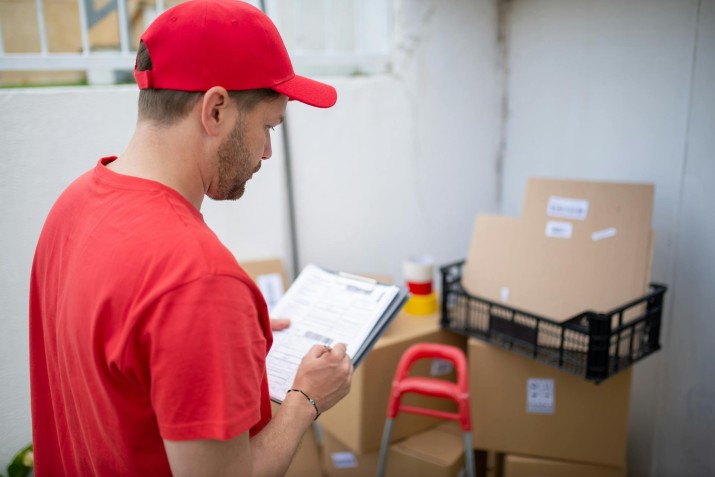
(469, 454)
(384, 447)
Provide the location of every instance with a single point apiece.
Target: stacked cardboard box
(522, 406)
(578, 246)
(522, 466)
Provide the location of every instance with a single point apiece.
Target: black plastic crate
(594, 345)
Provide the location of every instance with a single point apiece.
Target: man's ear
(215, 110)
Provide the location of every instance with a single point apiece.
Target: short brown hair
(166, 106)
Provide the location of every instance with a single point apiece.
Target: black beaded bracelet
(312, 401)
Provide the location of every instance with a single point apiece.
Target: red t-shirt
(143, 327)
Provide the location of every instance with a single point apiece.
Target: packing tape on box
(418, 269)
(417, 288)
(421, 304)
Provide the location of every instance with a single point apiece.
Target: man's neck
(167, 155)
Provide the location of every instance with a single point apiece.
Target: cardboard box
(359, 419)
(488, 267)
(340, 461)
(306, 460)
(270, 266)
(521, 406)
(577, 246)
(521, 466)
(437, 452)
(270, 276)
(581, 245)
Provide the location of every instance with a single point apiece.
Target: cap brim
(308, 91)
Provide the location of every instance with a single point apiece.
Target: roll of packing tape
(418, 269)
(417, 288)
(421, 305)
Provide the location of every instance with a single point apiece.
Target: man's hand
(325, 375)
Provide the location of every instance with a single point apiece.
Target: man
(148, 341)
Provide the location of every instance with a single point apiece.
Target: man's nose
(267, 151)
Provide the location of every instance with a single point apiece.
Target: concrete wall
(625, 90)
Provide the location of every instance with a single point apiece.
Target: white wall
(48, 138)
(407, 160)
(401, 165)
(624, 90)
(685, 430)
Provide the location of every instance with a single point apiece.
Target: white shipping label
(271, 286)
(565, 208)
(344, 460)
(440, 367)
(603, 234)
(556, 229)
(504, 294)
(540, 397)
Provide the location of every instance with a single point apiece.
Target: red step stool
(456, 391)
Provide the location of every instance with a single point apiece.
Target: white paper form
(324, 308)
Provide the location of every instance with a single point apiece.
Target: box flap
(435, 446)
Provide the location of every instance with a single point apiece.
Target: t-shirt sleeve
(206, 353)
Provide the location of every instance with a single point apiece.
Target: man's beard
(234, 166)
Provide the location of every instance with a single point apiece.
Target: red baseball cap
(199, 44)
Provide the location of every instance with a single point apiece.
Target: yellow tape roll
(421, 304)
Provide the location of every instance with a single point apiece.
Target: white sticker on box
(540, 396)
(271, 286)
(504, 294)
(440, 367)
(603, 234)
(556, 229)
(565, 208)
(344, 460)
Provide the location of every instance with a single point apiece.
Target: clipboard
(327, 307)
(390, 314)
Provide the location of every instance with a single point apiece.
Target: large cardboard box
(306, 461)
(522, 466)
(359, 419)
(582, 245)
(521, 406)
(577, 246)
